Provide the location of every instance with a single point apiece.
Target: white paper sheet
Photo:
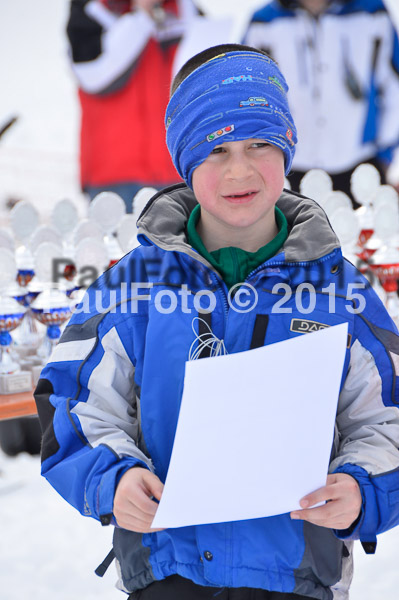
(255, 431)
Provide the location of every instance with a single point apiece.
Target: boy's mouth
(241, 197)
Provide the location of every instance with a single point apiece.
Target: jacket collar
(164, 219)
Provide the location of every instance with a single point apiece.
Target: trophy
(91, 258)
(141, 200)
(385, 261)
(365, 181)
(43, 233)
(370, 247)
(127, 233)
(65, 218)
(24, 220)
(86, 228)
(51, 307)
(107, 210)
(385, 194)
(12, 379)
(345, 224)
(316, 184)
(335, 200)
(7, 239)
(27, 337)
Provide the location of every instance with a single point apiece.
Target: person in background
(341, 61)
(122, 54)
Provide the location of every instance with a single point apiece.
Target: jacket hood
(163, 223)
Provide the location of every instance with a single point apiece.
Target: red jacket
(124, 89)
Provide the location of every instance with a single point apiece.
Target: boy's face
(239, 183)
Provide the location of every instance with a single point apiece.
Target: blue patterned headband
(235, 96)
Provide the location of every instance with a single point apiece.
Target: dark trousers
(20, 435)
(178, 588)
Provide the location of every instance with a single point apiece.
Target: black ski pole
(7, 125)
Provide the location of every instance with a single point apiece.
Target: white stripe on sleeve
(76, 350)
(369, 430)
(109, 416)
(122, 46)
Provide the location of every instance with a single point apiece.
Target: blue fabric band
(235, 96)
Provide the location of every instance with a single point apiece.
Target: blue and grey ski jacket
(109, 397)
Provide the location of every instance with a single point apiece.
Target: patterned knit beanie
(235, 96)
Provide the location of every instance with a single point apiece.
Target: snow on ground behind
(48, 551)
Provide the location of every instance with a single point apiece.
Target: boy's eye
(260, 144)
(217, 150)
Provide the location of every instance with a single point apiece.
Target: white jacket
(343, 72)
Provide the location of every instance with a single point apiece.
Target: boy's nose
(239, 167)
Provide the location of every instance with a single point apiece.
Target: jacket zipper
(219, 285)
(235, 262)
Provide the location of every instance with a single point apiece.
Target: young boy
(109, 398)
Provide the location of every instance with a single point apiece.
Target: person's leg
(33, 435)
(257, 594)
(178, 588)
(20, 435)
(12, 437)
(279, 596)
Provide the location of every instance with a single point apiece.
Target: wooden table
(17, 405)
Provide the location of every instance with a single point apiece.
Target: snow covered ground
(47, 550)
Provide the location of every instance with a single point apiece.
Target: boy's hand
(133, 507)
(344, 502)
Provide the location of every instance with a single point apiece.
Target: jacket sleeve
(87, 405)
(104, 47)
(368, 426)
